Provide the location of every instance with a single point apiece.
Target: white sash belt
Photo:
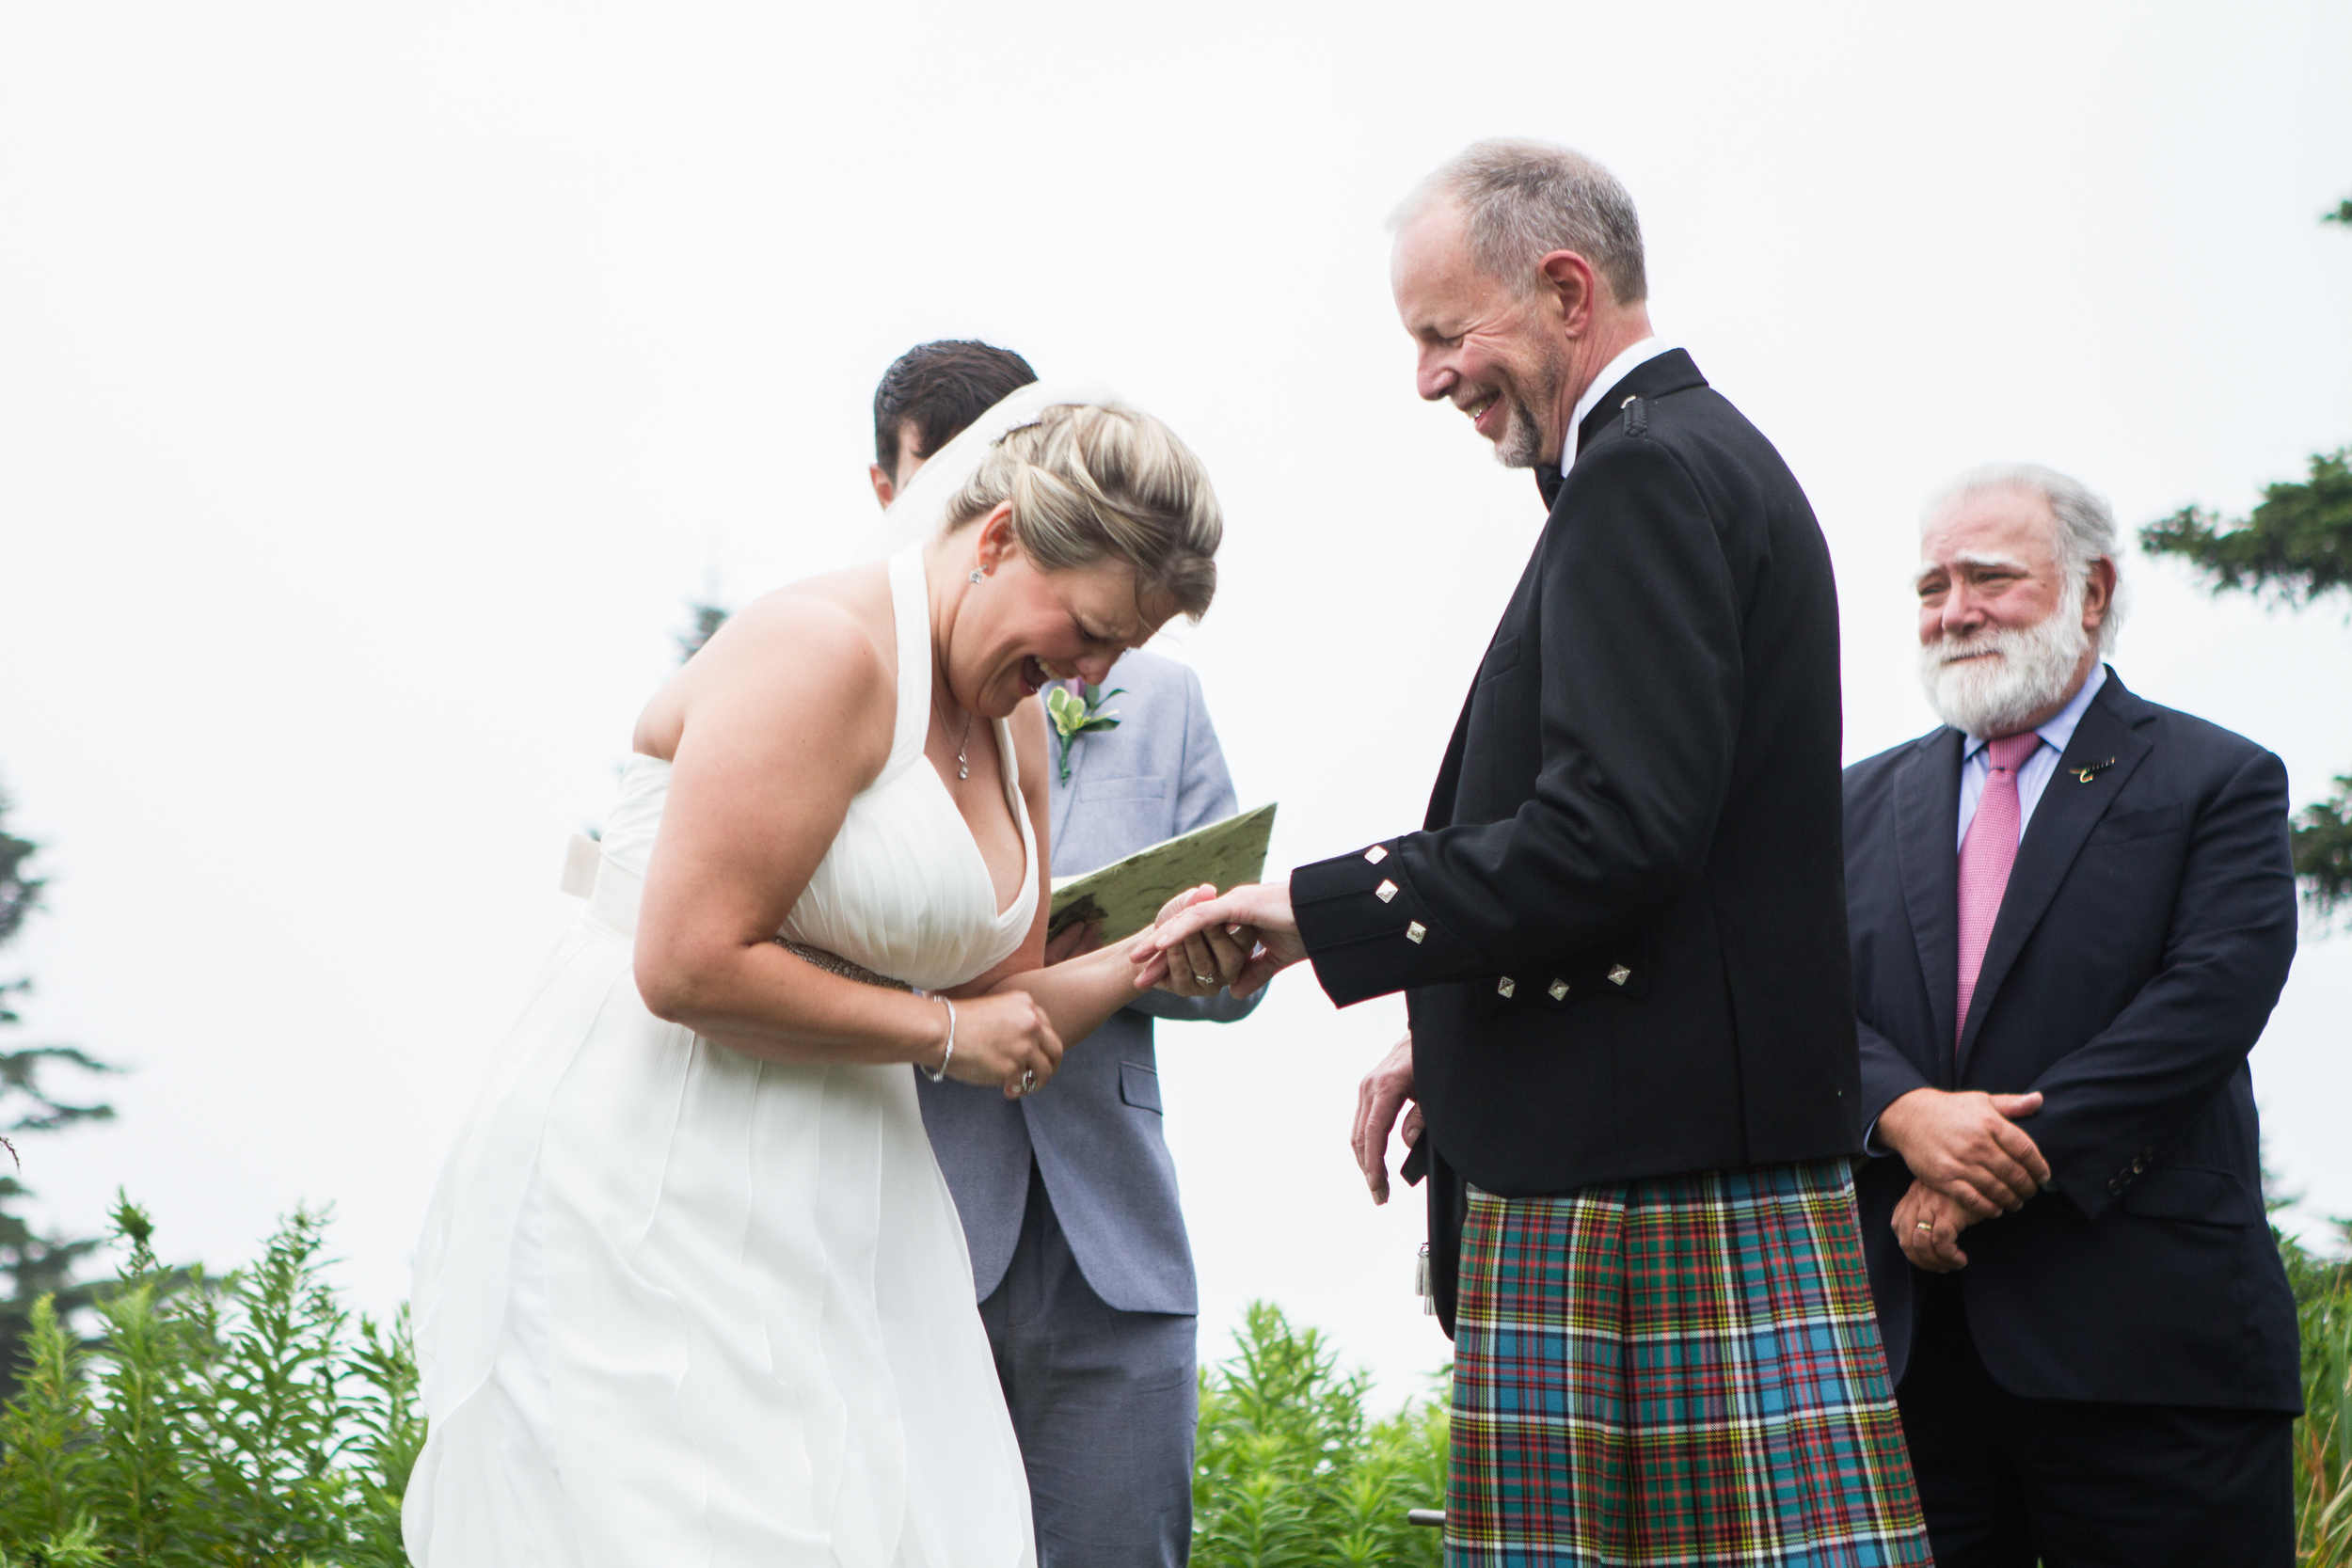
(613, 891)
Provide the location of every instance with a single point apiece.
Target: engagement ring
(1029, 1078)
(1200, 979)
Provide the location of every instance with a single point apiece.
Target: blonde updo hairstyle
(1090, 483)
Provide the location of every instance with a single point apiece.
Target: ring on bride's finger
(1200, 979)
(1028, 1080)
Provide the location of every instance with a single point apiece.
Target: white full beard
(2027, 671)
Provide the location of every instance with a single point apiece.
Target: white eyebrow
(1973, 558)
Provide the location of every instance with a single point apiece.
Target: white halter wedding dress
(678, 1305)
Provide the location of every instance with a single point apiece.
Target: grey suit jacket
(1095, 1130)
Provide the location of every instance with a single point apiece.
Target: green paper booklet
(1126, 894)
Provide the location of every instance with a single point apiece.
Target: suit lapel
(1928, 806)
(2068, 810)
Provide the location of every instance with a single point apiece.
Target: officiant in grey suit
(1068, 1196)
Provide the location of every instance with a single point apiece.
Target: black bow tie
(1549, 478)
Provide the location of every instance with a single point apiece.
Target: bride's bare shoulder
(819, 650)
(845, 615)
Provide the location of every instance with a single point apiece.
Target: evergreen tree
(32, 1264)
(709, 618)
(2296, 548)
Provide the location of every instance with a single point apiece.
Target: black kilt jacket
(1622, 930)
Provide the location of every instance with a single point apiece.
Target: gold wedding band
(1923, 1225)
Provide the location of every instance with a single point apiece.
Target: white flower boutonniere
(1077, 713)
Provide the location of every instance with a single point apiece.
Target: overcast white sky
(376, 383)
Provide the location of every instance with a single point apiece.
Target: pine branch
(2323, 850)
(2296, 547)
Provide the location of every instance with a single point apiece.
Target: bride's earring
(977, 575)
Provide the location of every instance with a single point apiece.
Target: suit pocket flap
(1138, 1086)
(2187, 1192)
(1500, 659)
(2130, 825)
(1122, 789)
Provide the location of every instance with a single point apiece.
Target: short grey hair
(2083, 525)
(1525, 199)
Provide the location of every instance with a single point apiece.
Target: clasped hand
(1199, 933)
(1969, 1162)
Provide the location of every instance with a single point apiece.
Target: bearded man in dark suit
(1621, 935)
(2072, 912)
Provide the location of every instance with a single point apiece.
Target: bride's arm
(1080, 995)
(776, 731)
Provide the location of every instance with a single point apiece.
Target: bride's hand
(1000, 1038)
(1208, 959)
(1257, 913)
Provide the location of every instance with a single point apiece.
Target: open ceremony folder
(1126, 894)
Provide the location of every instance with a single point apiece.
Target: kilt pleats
(1677, 1371)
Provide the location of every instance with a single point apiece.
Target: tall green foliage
(2322, 1437)
(239, 1420)
(1290, 1474)
(2296, 548)
(33, 1265)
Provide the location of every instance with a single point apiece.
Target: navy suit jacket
(1095, 1131)
(2144, 936)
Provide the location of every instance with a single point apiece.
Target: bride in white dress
(692, 1290)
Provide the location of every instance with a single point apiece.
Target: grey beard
(2029, 670)
(1522, 443)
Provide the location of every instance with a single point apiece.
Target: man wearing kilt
(1621, 934)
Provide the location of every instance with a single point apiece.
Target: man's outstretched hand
(1968, 1146)
(1258, 912)
(1386, 1090)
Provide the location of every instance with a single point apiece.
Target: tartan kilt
(1681, 1370)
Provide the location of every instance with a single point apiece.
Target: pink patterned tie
(1985, 858)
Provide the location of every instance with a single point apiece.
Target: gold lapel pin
(2091, 770)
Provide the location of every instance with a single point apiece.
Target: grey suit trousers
(1104, 1402)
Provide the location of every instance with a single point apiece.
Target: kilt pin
(1677, 1371)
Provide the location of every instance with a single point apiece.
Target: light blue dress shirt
(1975, 767)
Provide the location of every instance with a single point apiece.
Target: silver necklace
(963, 764)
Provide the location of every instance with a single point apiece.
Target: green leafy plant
(1074, 715)
(2323, 1436)
(1290, 1474)
(244, 1420)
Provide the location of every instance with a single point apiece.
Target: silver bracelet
(951, 1054)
